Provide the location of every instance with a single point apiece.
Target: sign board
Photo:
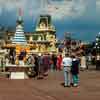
(18, 75)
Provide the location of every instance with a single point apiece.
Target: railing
(45, 29)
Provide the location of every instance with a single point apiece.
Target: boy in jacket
(75, 70)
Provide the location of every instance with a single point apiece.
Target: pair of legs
(82, 68)
(59, 67)
(67, 78)
(75, 79)
(52, 67)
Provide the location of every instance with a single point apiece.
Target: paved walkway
(51, 88)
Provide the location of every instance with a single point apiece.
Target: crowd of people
(41, 64)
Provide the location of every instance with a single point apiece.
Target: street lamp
(97, 44)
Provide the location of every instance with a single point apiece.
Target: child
(75, 71)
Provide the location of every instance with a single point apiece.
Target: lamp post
(97, 46)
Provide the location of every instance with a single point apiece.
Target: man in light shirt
(67, 63)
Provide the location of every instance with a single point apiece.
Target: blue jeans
(67, 76)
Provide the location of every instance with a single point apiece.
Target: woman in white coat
(83, 64)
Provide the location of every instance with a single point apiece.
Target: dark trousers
(36, 69)
(98, 65)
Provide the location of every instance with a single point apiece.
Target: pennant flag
(20, 12)
(31, 12)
